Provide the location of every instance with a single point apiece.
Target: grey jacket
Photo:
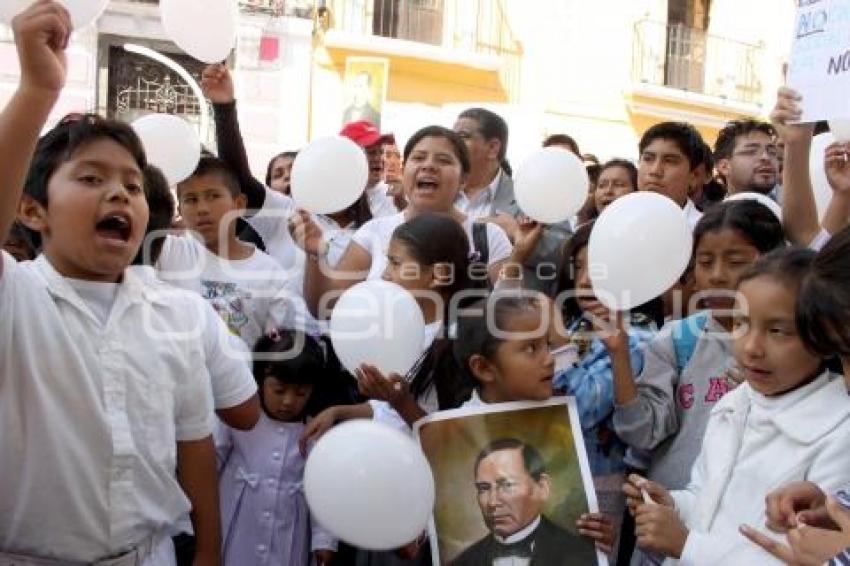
(669, 416)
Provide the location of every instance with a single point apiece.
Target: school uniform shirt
(264, 513)
(252, 295)
(228, 359)
(754, 445)
(375, 235)
(669, 415)
(91, 413)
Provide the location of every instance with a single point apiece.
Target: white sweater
(752, 446)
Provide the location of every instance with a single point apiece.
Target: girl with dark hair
(823, 318)
(436, 165)
(515, 364)
(788, 421)
(429, 256)
(686, 367)
(295, 382)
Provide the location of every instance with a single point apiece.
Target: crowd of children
(163, 383)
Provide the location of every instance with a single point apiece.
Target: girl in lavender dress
(264, 514)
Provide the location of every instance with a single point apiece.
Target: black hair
(593, 171)
(823, 303)
(684, 135)
(623, 163)
(270, 167)
(531, 457)
(453, 137)
(433, 238)
(473, 326)
(26, 238)
(294, 357)
(708, 159)
(213, 166)
(61, 143)
(562, 139)
(162, 210)
(727, 137)
(492, 127)
(753, 220)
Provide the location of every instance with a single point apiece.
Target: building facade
(600, 71)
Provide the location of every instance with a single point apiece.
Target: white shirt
(481, 204)
(380, 203)
(227, 357)
(252, 295)
(90, 414)
(752, 445)
(514, 538)
(692, 213)
(271, 223)
(374, 237)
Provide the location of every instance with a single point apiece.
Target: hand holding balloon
(217, 84)
(370, 485)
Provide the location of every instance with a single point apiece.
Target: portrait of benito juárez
(513, 486)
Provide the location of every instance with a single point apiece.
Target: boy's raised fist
(42, 32)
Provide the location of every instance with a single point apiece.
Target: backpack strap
(686, 333)
(480, 242)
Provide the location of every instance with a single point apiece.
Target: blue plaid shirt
(591, 382)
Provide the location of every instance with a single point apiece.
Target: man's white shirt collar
(522, 534)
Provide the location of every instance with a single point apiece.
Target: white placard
(820, 58)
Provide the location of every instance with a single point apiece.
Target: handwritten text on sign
(820, 58)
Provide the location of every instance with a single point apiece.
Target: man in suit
(513, 487)
(488, 196)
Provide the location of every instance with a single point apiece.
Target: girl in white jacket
(789, 421)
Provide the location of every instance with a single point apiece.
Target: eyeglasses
(756, 150)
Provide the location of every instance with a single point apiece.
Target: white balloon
(329, 175)
(171, 143)
(840, 128)
(817, 172)
(370, 485)
(551, 185)
(758, 197)
(205, 29)
(378, 323)
(639, 246)
(83, 12)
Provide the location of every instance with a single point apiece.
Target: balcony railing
(478, 26)
(688, 59)
(299, 8)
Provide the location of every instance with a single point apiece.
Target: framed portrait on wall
(365, 82)
(511, 479)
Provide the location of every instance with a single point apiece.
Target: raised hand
(306, 233)
(41, 33)
(837, 164)
(217, 84)
(784, 115)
